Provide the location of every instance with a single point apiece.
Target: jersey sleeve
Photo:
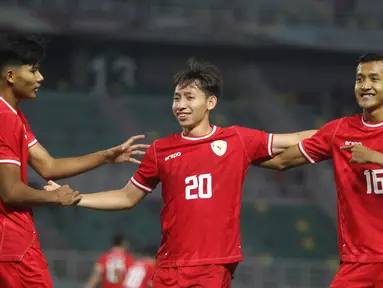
(319, 146)
(101, 261)
(30, 136)
(257, 144)
(10, 141)
(146, 177)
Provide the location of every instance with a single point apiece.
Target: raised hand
(126, 151)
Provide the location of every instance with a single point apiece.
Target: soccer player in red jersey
(140, 273)
(355, 144)
(112, 266)
(22, 263)
(201, 170)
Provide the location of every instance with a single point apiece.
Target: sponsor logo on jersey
(350, 143)
(175, 155)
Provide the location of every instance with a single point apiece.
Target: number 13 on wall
(198, 187)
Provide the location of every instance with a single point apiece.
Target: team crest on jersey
(219, 147)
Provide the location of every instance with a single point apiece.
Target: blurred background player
(203, 245)
(22, 263)
(355, 146)
(140, 274)
(113, 266)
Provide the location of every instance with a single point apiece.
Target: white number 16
(202, 183)
(376, 185)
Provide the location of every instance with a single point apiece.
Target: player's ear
(211, 102)
(9, 75)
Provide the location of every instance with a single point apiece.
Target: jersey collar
(9, 106)
(378, 124)
(202, 137)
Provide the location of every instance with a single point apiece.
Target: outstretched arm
(292, 157)
(125, 198)
(53, 168)
(283, 141)
(13, 191)
(314, 149)
(95, 278)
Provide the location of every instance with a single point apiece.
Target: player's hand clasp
(66, 196)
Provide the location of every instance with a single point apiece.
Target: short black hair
(206, 76)
(370, 57)
(20, 49)
(118, 240)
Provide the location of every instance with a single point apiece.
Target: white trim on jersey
(32, 143)
(139, 185)
(307, 156)
(8, 161)
(9, 106)
(270, 145)
(202, 137)
(371, 125)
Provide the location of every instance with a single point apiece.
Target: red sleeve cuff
(10, 161)
(32, 143)
(140, 186)
(305, 154)
(270, 145)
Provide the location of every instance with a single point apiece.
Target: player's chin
(184, 122)
(370, 104)
(32, 96)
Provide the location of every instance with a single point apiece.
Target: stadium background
(288, 66)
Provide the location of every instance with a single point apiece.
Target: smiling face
(191, 106)
(369, 85)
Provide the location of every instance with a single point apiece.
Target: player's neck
(118, 248)
(198, 131)
(8, 96)
(373, 116)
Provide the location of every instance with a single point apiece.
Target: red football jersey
(202, 181)
(114, 265)
(359, 186)
(17, 231)
(139, 274)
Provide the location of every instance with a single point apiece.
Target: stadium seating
(305, 232)
(70, 124)
(141, 226)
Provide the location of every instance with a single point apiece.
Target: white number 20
(374, 181)
(198, 186)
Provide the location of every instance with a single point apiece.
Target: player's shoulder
(342, 125)
(345, 122)
(352, 120)
(229, 129)
(241, 131)
(7, 114)
(167, 141)
(334, 124)
(11, 119)
(102, 258)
